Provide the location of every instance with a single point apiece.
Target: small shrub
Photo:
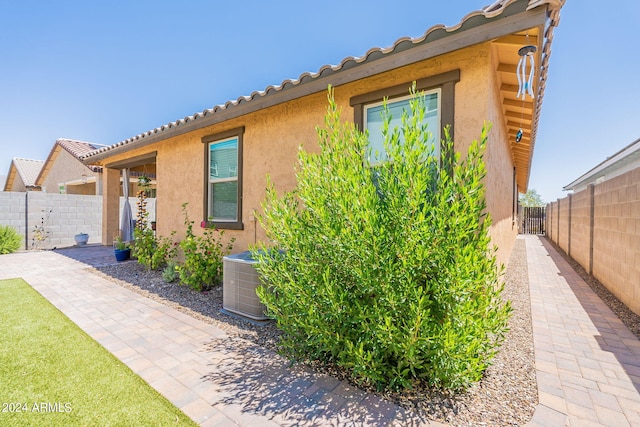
(153, 252)
(202, 267)
(10, 240)
(40, 232)
(170, 272)
(385, 271)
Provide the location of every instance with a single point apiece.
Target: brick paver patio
(587, 361)
(215, 379)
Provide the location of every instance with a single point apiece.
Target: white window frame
(436, 134)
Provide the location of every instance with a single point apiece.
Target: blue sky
(106, 71)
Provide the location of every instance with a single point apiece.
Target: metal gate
(532, 220)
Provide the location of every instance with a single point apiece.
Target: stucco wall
(66, 168)
(272, 137)
(18, 183)
(500, 191)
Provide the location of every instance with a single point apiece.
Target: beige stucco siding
(18, 183)
(500, 191)
(66, 168)
(272, 137)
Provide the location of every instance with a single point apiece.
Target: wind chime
(525, 82)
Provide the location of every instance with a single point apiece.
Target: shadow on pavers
(258, 381)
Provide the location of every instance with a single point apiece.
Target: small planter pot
(81, 239)
(122, 254)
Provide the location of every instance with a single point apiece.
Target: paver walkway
(215, 379)
(587, 361)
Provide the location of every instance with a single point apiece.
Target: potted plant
(121, 249)
(81, 239)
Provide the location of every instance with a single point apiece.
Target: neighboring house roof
(509, 16)
(77, 149)
(27, 169)
(623, 161)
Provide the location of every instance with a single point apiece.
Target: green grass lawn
(54, 374)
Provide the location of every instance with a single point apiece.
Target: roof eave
(552, 9)
(474, 29)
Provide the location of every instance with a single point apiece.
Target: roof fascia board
(140, 160)
(87, 180)
(537, 104)
(458, 39)
(11, 177)
(46, 167)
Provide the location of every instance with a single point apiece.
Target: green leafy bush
(170, 272)
(385, 271)
(202, 267)
(10, 240)
(151, 251)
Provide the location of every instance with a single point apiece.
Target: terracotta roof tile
(434, 33)
(76, 148)
(79, 149)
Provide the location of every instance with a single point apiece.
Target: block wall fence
(599, 228)
(62, 216)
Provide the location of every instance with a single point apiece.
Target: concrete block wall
(604, 234)
(133, 202)
(580, 249)
(616, 238)
(12, 211)
(551, 223)
(563, 224)
(62, 216)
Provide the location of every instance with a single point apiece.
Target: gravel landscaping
(506, 396)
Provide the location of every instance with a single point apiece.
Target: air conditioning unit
(239, 284)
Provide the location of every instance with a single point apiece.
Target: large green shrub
(10, 240)
(386, 271)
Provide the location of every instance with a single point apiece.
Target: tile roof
(433, 34)
(79, 149)
(76, 148)
(28, 170)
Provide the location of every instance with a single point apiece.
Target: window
(440, 98)
(224, 179)
(373, 121)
